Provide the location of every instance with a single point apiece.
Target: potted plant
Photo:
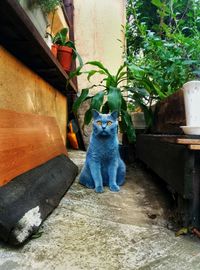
(64, 49)
(109, 98)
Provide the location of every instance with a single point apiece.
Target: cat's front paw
(99, 189)
(114, 188)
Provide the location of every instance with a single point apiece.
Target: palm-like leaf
(97, 101)
(88, 116)
(108, 100)
(114, 99)
(80, 99)
(93, 72)
(127, 126)
(99, 65)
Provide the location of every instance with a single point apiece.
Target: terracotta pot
(54, 49)
(65, 57)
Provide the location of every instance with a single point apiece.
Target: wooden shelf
(20, 37)
(177, 139)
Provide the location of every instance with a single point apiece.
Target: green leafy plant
(60, 38)
(163, 50)
(109, 98)
(48, 6)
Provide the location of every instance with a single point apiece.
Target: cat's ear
(95, 113)
(114, 115)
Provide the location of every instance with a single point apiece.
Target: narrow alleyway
(110, 231)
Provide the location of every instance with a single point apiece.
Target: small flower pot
(54, 49)
(191, 92)
(64, 56)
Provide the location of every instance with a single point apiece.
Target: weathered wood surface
(179, 139)
(170, 115)
(26, 141)
(194, 147)
(178, 164)
(167, 160)
(187, 141)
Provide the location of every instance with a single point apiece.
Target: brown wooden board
(169, 115)
(179, 166)
(178, 139)
(168, 160)
(194, 147)
(26, 141)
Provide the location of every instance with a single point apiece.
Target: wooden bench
(176, 159)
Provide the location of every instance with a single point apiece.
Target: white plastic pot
(191, 92)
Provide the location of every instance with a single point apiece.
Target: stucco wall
(24, 91)
(97, 27)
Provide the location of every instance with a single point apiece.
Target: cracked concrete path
(109, 231)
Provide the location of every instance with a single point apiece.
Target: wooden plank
(194, 147)
(26, 141)
(169, 115)
(179, 139)
(188, 141)
(170, 161)
(165, 138)
(179, 167)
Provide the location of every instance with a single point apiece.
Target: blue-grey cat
(103, 165)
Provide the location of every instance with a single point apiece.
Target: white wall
(97, 28)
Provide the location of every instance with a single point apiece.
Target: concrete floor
(110, 231)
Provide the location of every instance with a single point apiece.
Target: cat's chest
(103, 152)
(103, 149)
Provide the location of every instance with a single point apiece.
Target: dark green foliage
(109, 98)
(81, 99)
(60, 37)
(163, 45)
(48, 6)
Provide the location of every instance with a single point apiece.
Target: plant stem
(52, 21)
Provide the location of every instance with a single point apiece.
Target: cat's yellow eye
(99, 123)
(109, 123)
